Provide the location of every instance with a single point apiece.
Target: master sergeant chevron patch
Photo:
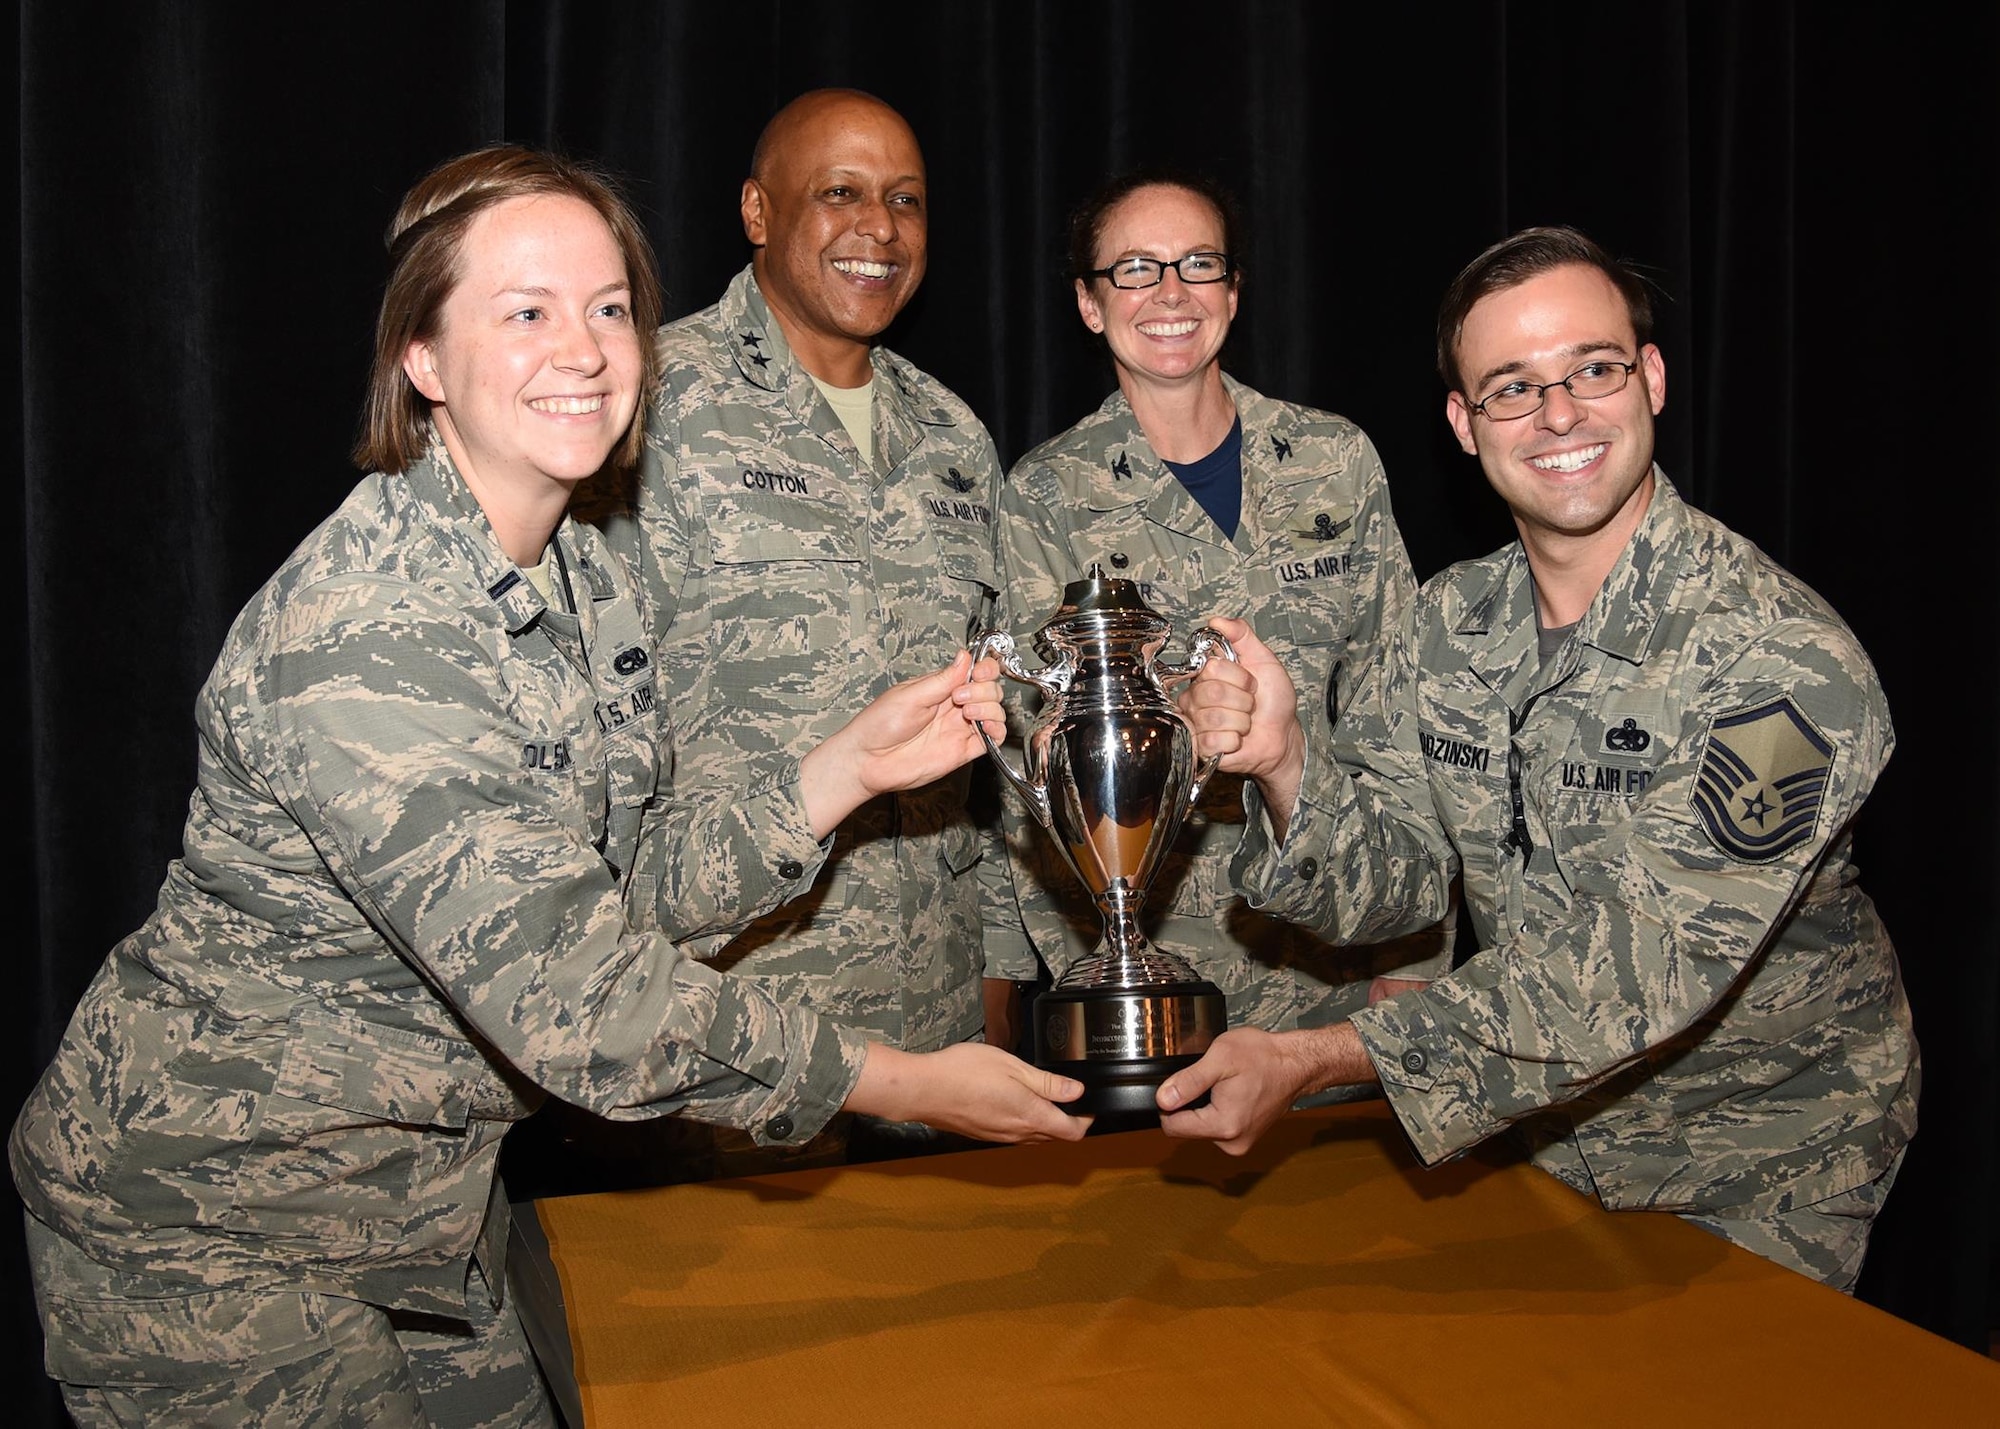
(1763, 776)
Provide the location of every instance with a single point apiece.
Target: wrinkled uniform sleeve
(1364, 856)
(1379, 615)
(1661, 926)
(737, 843)
(395, 739)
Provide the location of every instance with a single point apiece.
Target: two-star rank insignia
(752, 345)
(1280, 448)
(1762, 779)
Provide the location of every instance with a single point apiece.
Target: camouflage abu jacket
(397, 919)
(788, 586)
(1319, 571)
(1683, 998)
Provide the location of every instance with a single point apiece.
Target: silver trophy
(1111, 772)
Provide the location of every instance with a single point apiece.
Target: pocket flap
(171, 1341)
(746, 530)
(411, 1078)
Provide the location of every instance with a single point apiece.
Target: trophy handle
(1203, 645)
(999, 645)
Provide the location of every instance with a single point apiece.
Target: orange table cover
(1130, 1280)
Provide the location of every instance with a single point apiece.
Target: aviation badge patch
(1763, 777)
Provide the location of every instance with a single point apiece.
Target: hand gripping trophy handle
(1204, 645)
(1109, 770)
(999, 645)
(1053, 681)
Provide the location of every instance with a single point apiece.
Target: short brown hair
(1086, 223)
(1513, 261)
(423, 241)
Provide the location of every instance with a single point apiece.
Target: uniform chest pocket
(1610, 761)
(1466, 767)
(762, 535)
(1311, 636)
(562, 765)
(1592, 793)
(783, 582)
(1315, 613)
(1129, 547)
(747, 525)
(631, 778)
(971, 582)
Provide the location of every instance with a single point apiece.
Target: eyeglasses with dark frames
(1149, 272)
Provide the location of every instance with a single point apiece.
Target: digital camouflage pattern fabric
(140, 1349)
(789, 584)
(399, 919)
(1319, 571)
(1676, 1015)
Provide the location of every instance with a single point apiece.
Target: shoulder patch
(1762, 780)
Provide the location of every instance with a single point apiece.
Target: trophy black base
(1122, 1042)
(1120, 1095)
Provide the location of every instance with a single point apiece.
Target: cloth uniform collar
(1268, 428)
(461, 530)
(1620, 620)
(753, 334)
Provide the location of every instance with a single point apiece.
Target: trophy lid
(1097, 592)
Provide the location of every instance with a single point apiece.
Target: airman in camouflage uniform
(1649, 779)
(1712, 1008)
(417, 889)
(791, 583)
(793, 572)
(1317, 567)
(397, 921)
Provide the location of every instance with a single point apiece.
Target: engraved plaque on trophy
(1109, 770)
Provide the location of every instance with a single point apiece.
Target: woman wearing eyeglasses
(1218, 500)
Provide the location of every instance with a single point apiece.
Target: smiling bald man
(814, 522)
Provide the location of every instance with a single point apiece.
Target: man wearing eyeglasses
(1645, 745)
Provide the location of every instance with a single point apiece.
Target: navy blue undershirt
(1216, 481)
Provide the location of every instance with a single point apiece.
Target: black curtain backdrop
(202, 190)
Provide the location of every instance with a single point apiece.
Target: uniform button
(1120, 560)
(778, 1127)
(791, 868)
(1308, 869)
(1413, 1062)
